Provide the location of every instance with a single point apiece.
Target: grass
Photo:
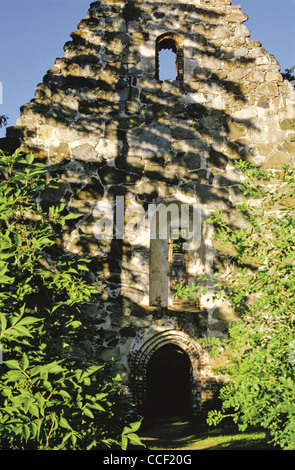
(191, 435)
(230, 441)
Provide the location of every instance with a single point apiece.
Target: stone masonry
(120, 140)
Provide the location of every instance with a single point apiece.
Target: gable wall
(109, 129)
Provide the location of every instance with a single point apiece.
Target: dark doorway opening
(169, 383)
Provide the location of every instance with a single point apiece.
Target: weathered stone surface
(286, 124)
(217, 159)
(153, 140)
(225, 313)
(276, 160)
(59, 153)
(112, 129)
(92, 190)
(211, 195)
(84, 152)
(56, 194)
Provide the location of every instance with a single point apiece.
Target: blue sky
(33, 33)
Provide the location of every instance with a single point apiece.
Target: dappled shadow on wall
(110, 128)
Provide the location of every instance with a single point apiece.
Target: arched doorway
(169, 383)
(143, 354)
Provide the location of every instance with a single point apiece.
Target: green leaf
(134, 440)
(26, 432)
(27, 403)
(55, 369)
(75, 324)
(24, 362)
(97, 406)
(65, 394)
(29, 320)
(64, 423)
(3, 321)
(21, 329)
(17, 239)
(81, 267)
(34, 430)
(12, 364)
(6, 280)
(124, 442)
(18, 429)
(14, 376)
(89, 371)
(132, 427)
(118, 378)
(88, 413)
(29, 158)
(34, 410)
(67, 436)
(100, 396)
(5, 242)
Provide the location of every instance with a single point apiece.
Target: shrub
(260, 287)
(48, 399)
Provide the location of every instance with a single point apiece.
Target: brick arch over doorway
(146, 345)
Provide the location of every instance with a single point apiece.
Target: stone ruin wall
(107, 127)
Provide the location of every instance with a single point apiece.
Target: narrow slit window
(169, 57)
(176, 255)
(178, 260)
(167, 65)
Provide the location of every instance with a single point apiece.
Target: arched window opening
(167, 65)
(169, 57)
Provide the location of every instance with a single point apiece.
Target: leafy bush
(260, 287)
(48, 399)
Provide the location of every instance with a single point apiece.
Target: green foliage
(129, 435)
(53, 407)
(193, 291)
(48, 399)
(289, 74)
(260, 287)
